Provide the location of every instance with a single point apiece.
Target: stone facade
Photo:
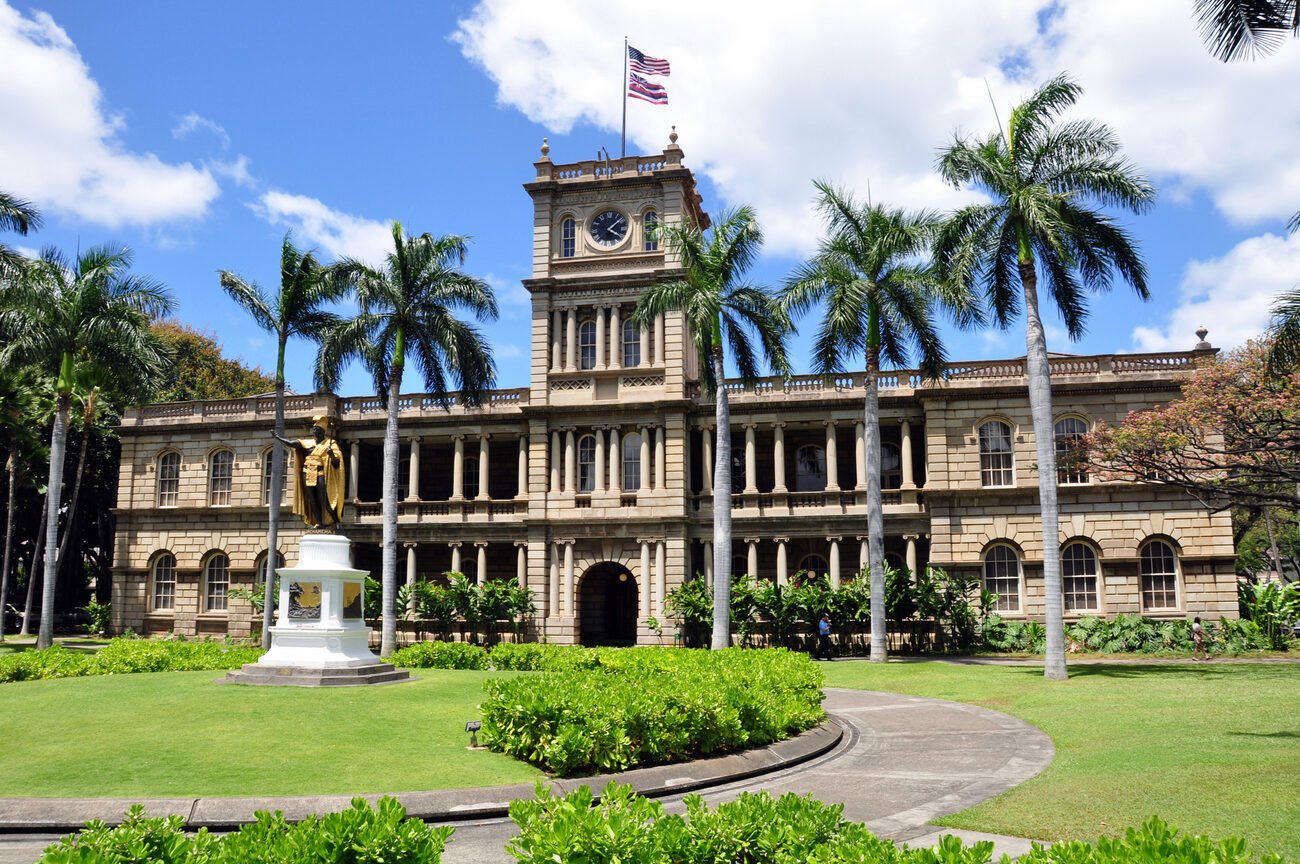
(592, 486)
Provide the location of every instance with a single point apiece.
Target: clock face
(609, 228)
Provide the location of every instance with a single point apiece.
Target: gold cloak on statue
(315, 463)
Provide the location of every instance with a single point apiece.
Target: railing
(828, 502)
(602, 169)
(424, 403)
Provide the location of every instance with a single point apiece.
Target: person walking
(824, 638)
(1198, 640)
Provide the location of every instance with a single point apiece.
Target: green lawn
(1212, 748)
(180, 734)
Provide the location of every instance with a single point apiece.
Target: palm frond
(1246, 29)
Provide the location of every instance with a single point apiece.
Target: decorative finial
(546, 147)
(1201, 333)
(672, 136)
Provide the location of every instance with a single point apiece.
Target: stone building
(592, 486)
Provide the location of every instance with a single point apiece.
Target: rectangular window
(164, 584)
(219, 481)
(169, 479)
(217, 584)
(568, 238)
(995, 454)
(631, 345)
(1002, 577)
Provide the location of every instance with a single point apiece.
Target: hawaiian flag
(640, 88)
(638, 62)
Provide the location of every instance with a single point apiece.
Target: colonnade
(481, 442)
(833, 569)
(606, 473)
(609, 332)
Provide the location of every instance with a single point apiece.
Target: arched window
(815, 564)
(586, 463)
(809, 469)
(650, 225)
(587, 344)
(995, 454)
(632, 462)
(404, 477)
(891, 467)
(1002, 577)
(631, 344)
(568, 237)
(221, 470)
(169, 478)
(1159, 576)
(469, 488)
(1069, 450)
(163, 592)
(216, 583)
(1079, 578)
(259, 568)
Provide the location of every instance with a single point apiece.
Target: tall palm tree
(20, 416)
(18, 216)
(721, 311)
(1245, 29)
(1047, 182)
(64, 310)
(295, 310)
(878, 300)
(409, 306)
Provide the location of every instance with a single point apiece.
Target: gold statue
(318, 466)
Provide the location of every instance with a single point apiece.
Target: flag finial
(546, 147)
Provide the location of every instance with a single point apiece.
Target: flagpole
(622, 153)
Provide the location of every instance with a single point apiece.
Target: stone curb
(447, 805)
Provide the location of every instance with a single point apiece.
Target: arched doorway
(608, 605)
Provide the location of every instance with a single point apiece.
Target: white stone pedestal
(320, 637)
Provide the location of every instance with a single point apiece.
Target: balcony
(847, 502)
(437, 512)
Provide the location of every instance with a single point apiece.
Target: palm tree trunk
(276, 495)
(388, 604)
(721, 511)
(875, 511)
(1040, 407)
(32, 571)
(58, 447)
(87, 418)
(11, 469)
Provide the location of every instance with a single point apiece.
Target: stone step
(297, 676)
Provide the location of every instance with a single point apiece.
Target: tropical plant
(22, 416)
(294, 310)
(1047, 182)
(1245, 29)
(18, 216)
(720, 311)
(1274, 607)
(65, 311)
(409, 305)
(877, 299)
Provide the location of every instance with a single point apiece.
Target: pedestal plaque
(320, 638)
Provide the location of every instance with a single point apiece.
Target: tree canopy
(201, 372)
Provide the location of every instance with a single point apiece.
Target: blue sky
(197, 134)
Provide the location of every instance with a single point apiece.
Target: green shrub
(640, 706)
(441, 655)
(1273, 607)
(361, 834)
(122, 656)
(541, 657)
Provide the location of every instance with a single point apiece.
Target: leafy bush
(441, 655)
(643, 706)
(1018, 636)
(1273, 607)
(541, 657)
(124, 656)
(361, 834)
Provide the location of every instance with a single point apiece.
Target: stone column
(557, 357)
(570, 462)
(600, 337)
(568, 578)
(659, 340)
(571, 334)
(778, 457)
(706, 459)
(410, 577)
(521, 486)
(646, 477)
(455, 557)
(911, 554)
(661, 576)
(645, 346)
(557, 460)
(480, 563)
(905, 453)
(751, 560)
(708, 565)
(413, 471)
(751, 461)
(646, 576)
(615, 461)
(661, 457)
(782, 565)
(864, 554)
(835, 561)
(860, 454)
(483, 467)
(458, 469)
(354, 469)
(615, 338)
(521, 564)
(598, 481)
(832, 463)
(553, 582)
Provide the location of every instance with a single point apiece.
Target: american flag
(639, 88)
(638, 62)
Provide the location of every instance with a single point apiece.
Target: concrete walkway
(894, 762)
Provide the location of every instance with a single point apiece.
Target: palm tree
(21, 217)
(721, 311)
(410, 305)
(1045, 181)
(878, 300)
(63, 311)
(295, 310)
(1245, 29)
(20, 413)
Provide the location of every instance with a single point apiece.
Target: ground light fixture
(472, 728)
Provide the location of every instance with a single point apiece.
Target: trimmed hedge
(124, 656)
(643, 706)
(542, 657)
(441, 655)
(1127, 633)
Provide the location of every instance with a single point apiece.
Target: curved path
(895, 762)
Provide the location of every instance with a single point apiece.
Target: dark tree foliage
(201, 372)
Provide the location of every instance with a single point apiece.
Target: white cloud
(61, 148)
(513, 298)
(866, 93)
(193, 122)
(1230, 295)
(313, 223)
(236, 169)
